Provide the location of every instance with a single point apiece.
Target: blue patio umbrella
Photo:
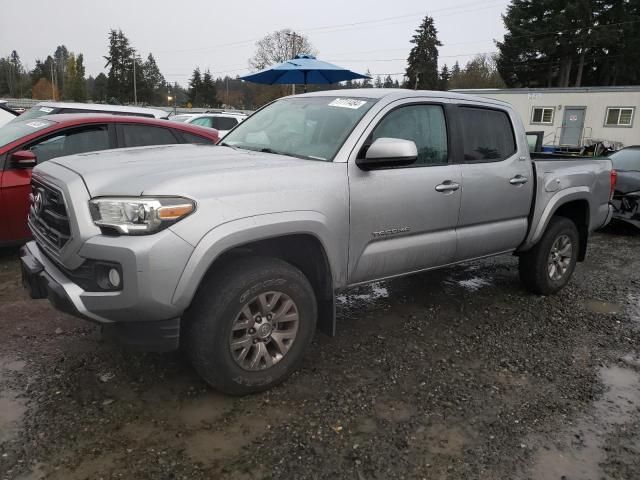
(303, 69)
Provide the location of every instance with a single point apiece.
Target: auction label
(347, 103)
(36, 124)
(46, 109)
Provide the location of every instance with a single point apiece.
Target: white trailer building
(574, 117)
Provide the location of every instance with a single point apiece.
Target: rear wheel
(547, 267)
(250, 323)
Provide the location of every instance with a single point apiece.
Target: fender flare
(246, 230)
(542, 220)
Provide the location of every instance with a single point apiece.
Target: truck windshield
(34, 112)
(305, 127)
(14, 130)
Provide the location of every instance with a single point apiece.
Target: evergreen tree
(195, 88)
(151, 90)
(61, 60)
(422, 72)
(571, 43)
(388, 82)
(366, 82)
(100, 88)
(378, 82)
(120, 63)
(209, 94)
(444, 78)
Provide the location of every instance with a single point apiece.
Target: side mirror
(388, 152)
(24, 159)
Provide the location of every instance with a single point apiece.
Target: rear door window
(143, 135)
(487, 135)
(223, 123)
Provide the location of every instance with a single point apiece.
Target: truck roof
(398, 93)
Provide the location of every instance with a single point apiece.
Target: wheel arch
(572, 203)
(302, 242)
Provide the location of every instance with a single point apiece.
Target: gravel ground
(456, 374)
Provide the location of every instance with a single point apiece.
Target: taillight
(614, 180)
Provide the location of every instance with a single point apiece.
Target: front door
(498, 183)
(399, 222)
(572, 126)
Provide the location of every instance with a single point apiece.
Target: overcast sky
(221, 36)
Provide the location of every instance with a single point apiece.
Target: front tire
(547, 267)
(250, 324)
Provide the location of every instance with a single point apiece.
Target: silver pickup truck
(236, 251)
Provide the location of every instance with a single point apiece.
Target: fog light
(108, 276)
(114, 278)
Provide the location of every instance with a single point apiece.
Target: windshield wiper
(271, 150)
(225, 144)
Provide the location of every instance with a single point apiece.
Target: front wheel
(547, 267)
(249, 324)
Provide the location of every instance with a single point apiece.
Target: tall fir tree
(422, 70)
(195, 88)
(209, 94)
(444, 78)
(120, 63)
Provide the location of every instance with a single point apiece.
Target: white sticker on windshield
(46, 109)
(347, 103)
(36, 124)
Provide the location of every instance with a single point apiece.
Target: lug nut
(252, 331)
(269, 317)
(255, 340)
(258, 319)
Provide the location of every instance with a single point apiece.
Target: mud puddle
(581, 451)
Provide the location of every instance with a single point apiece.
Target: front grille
(48, 218)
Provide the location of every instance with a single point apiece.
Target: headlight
(139, 215)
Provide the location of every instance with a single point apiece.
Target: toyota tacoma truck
(236, 251)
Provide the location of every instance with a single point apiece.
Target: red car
(23, 144)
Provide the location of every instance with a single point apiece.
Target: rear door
(399, 222)
(498, 184)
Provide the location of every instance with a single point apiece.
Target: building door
(572, 125)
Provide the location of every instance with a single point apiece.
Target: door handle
(518, 180)
(447, 186)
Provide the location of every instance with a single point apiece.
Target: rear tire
(250, 324)
(547, 267)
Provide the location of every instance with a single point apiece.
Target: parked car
(182, 117)
(52, 108)
(626, 198)
(237, 251)
(6, 114)
(29, 141)
(223, 121)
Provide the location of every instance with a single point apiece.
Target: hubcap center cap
(264, 330)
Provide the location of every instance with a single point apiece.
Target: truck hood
(171, 169)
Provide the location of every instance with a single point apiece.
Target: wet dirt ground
(456, 374)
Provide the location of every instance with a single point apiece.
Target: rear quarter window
(487, 134)
(143, 135)
(191, 138)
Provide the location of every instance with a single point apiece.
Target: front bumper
(140, 315)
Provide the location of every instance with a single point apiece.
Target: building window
(542, 115)
(619, 117)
